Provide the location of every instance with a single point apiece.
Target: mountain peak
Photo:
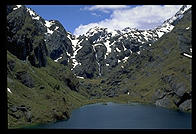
(184, 8)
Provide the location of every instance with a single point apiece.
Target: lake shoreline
(115, 113)
(103, 101)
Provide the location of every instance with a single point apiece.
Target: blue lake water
(123, 116)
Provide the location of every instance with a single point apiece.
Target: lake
(123, 116)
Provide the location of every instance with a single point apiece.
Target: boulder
(25, 79)
(13, 109)
(180, 90)
(11, 65)
(159, 94)
(28, 116)
(60, 115)
(22, 108)
(16, 115)
(164, 102)
(186, 105)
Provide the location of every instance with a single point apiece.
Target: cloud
(141, 17)
(95, 14)
(105, 8)
(84, 28)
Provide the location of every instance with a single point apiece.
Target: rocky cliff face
(25, 36)
(32, 38)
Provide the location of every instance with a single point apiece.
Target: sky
(78, 19)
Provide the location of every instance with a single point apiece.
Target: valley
(51, 72)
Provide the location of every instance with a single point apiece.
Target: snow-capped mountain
(100, 49)
(116, 46)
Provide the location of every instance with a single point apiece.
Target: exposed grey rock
(25, 79)
(159, 94)
(22, 108)
(28, 116)
(186, 96)
(60, 115)
(16, 115)
(11, 65)
(26, 41)
(13, 109)
(165, 102)
(186, 105)
(58, 43)
(9, 80)
(180, 90)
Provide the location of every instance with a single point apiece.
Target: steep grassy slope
(37, 95)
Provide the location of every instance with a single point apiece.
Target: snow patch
(107, 64)
(80, 77)
(108, 47)
(138, 52)
(190, 56)
(125, 59)
(191, 50)
(164, 28)
(98, 44)
(56, 28)
(17, 6)
(49, 31)
(58, 59)
(187, 28)
(75, 63)
(9, 90)
(160, 34)
(113, 32)
(36, 18)
(74, 42)
(68, 54)
(118, 50)
(124, 48)
(48, 23)
(31, 12)
(146, 34)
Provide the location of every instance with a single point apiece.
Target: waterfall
(97, 61)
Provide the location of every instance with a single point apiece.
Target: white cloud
(105, 8)
(141, 17)
(95, 14)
